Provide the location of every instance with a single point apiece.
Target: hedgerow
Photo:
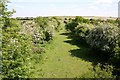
(82, 30)
(103, 38)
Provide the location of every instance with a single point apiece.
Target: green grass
(59, 62)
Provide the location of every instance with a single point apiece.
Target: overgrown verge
(102, 36)
(23, 43)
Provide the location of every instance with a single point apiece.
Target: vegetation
(103, 38)
(15, 47)
(57, 48)
(82, 30)
(98, 72)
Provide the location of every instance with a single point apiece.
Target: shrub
(103, 38)
(111, 21)
(93, 21)
(15, 52)
(86, 21)
(56, 23)
(38, 37)
(42, 22)
(73, 23)
(82, 30)
(41, 36)
(44, 30)
(99, 72)
(115, 56)
(48, 35)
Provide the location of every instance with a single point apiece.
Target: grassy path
(58, 62)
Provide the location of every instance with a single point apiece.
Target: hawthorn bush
(82, 30)
(15, 46)
(56, 23)
(115, 56)
(15, 52)
(103, 38)
(74, 22)
(42, 22)
(44, 31)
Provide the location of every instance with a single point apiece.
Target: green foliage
(115, 57)
(93, 21)
(82, 30)
(15, 46)
(56, 23)
(111, 21)
(42, 22)
(44, 31)
(99, 72)
(73, 23)
(41, 36)
(79, 19)
(15, 52)
(103, 38)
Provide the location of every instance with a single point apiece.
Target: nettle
(103, 38)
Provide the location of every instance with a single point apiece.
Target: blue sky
(33, 8)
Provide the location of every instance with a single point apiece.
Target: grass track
(58, 62)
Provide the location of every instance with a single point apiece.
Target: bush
(82, 30)
(73, 23)
(56, 23)
(15, 52)
(93, 21)
(111, 21)
(115, 57)
(48, 35)
(103, 38)
(44, 30)
(99, 72)
(42, 22)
